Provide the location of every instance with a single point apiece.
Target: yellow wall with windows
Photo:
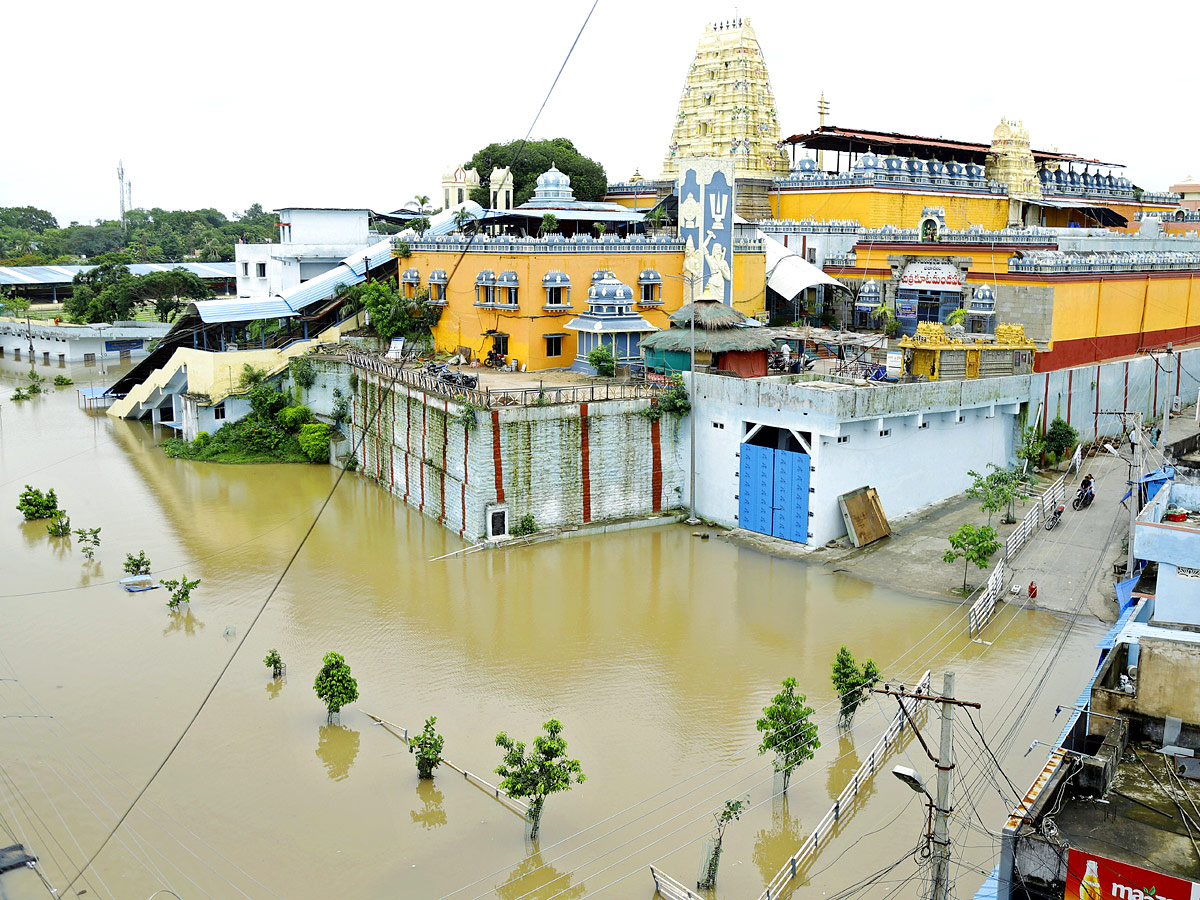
(462, 323)
(876, 208)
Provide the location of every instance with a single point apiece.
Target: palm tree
(422, 201)
(885, 319)
(462, 218)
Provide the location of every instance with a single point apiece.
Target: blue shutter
(755, 491)
(790, 512)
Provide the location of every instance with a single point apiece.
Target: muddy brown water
(656, 650)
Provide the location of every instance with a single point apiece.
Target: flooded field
(656, 650)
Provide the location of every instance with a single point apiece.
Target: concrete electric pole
(940, 886)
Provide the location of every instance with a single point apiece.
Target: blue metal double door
(773, 495)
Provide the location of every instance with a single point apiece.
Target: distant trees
(109, 293)
(588, 180)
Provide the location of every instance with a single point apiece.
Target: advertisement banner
(1092, 877)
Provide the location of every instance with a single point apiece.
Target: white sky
(355, 103)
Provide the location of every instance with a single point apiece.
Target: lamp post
(100, 327)
(1134, 486)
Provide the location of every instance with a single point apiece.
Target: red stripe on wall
(1084, 351)
(1096, 414)
(421, 465)
(656, 471)
(1070, 382)
(497, 463)
(585, 456)
(1125, 402)
(445, 438)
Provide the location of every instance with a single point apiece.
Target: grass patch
(251, 440)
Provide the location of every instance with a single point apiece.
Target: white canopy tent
(789, 273)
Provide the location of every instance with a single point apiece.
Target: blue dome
(1060, 177)
(507, 279)
(954, 169)
(868, 162)
(1088, 181)
(601, 275)
(914, 166)
(869, 289)
(556, 279)
(410, 276)
(553, 185)
(649, 276)
(438, 276)
(893, 164)
(1045, 176)
(1072, 178)
(935, 167)
(984, 299)
(974, 172)
(1124, 183)
(487, 276)
(610, 290)
(806, 165)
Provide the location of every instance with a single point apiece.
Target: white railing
(668, 887)
(844, 804)
(984, 607)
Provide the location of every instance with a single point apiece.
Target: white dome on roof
(553, 185)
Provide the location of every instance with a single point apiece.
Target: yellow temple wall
(876, 208)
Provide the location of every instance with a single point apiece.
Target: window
(460, 195)
(219, 411)
(260, 269)
(843, 439)
(554, 345)
(554, 296)
(649, 293)
(89, 359)
(500, 344)
(702, 129)
(245, 270)
(885, 432)
(437, 293)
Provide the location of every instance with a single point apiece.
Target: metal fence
(844, 804)
(488, 398)
(669, 888)
(984, 607)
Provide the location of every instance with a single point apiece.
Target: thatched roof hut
(722, 341)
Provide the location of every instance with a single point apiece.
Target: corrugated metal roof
(243, 310)
(12, 275)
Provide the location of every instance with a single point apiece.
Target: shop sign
(114, 346)
(1092, 877)
(931, 276)
(906, 309)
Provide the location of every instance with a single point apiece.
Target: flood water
(656, 650)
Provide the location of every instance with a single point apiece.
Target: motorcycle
(1083, 499)
(464, 379)
(494, 359)
(1052, 519)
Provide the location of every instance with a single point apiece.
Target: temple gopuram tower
(727, 111)
(1010, 162)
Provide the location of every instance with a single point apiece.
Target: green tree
(1061, 437)
(544, 771)
(33, 504)
(88, 540)
(956, 316)
(601, 359)
(527, 160)
(464, 219)
(972, 544)
(14, 305)
(1031, 445)
(181, 590)
(851, 682)
(657, 217)
(787, 730)
(729, 813)
(137, 565)
(998, 489)
(274, 662)
(335, 686)
(61, 526)
(549, 223)
(427, 747)
(314, 441)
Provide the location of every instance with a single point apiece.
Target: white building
(774, 454)
(62, 343)
(311, 242)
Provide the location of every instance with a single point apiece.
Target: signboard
(706, 226)
(906, 309)
(1092, 877)
(114, 346)
(923, 275)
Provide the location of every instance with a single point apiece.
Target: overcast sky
(364, 104)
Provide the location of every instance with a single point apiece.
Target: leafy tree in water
(972, 544)
(181, 590)
(61, 526)
(33, 504)
(546, 770)
(427, 747)
(335, 686)
(137, 565)
(851, 682)
(729, 813)
(88, 539)
(588, 180)
(1061, 437)
(787, 730)
(274, 662)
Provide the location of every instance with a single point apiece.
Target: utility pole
(121, 189)
(1135, 489)
(940, 887)
(1166, 419)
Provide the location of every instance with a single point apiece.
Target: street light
(100, 326)
(912, 779)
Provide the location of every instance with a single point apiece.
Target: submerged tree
(729, 813)
(88, 540)
(335, 686)
(137, 565)
(33, 504)
(181, 590)
(544, 771)
(275, 662)
(427, 747)
(787, 730)
(851, 682)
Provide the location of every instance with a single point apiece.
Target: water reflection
(772, 846)
(182, 621)
(274, 686)
(534, 879)
(842, 770)
(337, 747)
(431, 815)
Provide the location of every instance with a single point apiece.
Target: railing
(844, 804)
(984, 607)
(488, 398)
(890, 234)
(579, 243)
(1054, 261)
(888, 179)
(1160, 197)
(812, 226)
(670, 889)
(1169, 215)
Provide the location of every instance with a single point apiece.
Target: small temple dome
(438, 276)
(487, 276)
(649, 276)
(893, 164)
(806, 165)
(410, 276)
(556, 279)
(553, 185)
(507, 279)
(601, 275)
(974, 172)
(1045, 176)
(1003, 132)
(984, 299)
(868, 162)
(915, 166)
(609, 289)
(955, 169)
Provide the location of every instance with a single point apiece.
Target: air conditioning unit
(496, 521)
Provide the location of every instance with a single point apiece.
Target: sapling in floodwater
(427, 747)
(180, 588)
(275, 662)
(88, 539)
(730, 812)
(137, 565)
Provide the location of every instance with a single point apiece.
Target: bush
(61, 526)
(601, 359)
(341, 408)
(251, 376)
(1061, 437)
(303, 372)
(62, 381)
(33, 504)
(290, 418)
(527, 525)
(137, 565)
(202, 440)
(259, 437)
(314, 441)
(266, 401)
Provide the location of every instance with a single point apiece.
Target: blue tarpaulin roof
(1153, 481)
(1125, 593)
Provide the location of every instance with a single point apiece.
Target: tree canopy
(109, 293)
(588, 179)
(30, 236)
(787, 730)
(544, 771)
